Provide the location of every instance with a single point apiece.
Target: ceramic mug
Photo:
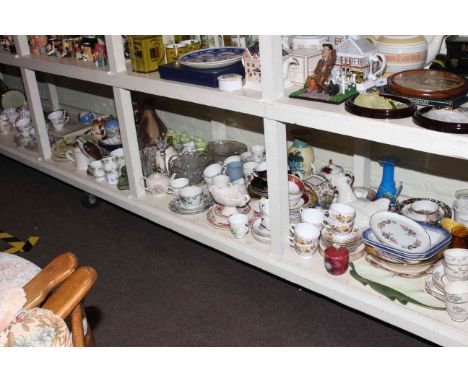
(456, 299)
(312, 216)
(235, 171)
(97, 170)
(176, 185)
(191, 197)
(77, 156)
(238, 224)
(304, 233)
(211, 171)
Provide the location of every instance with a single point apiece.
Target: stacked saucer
(352, 241)
(216, 218)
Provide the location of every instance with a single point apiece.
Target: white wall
(422, 174)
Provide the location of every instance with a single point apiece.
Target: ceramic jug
(407, 52)
(157, 184)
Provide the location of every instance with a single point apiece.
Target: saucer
(176, 206)
(433, 290)
(221, 222)
(438, 277)
(260, 233)
(218, 210)
(354, 235)
(353, 255)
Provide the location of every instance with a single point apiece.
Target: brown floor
(157, 288)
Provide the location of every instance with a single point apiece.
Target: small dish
(420, 118)
(400, 232)
(404, 112)
(444, 211)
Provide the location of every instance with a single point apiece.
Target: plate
(211, 58)
(402, 270)
(425, 83)
(394, 287)
(13, 98)
(176, 206)
(400, 232)
(433, 291)
(420, 119)
(404, 112)
(404, 208)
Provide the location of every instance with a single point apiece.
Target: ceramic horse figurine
(364, 208)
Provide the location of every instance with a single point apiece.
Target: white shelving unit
(276, 109)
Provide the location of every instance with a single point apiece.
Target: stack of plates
(407, 264)
(295, 212)
(435, 284)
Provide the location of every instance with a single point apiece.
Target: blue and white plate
(440, 238)
(211, 58)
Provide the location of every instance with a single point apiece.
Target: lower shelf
(435, 326)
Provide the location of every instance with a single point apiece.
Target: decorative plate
(13, 98)
(176, 206)
(421, 119)
(404, 208)
(400, 232)
(394, 287)
(406, 111)
(212, 58)
(425, 83)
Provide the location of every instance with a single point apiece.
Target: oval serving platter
(405, 112)
(211, 58)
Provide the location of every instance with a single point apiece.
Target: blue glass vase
(387, 188)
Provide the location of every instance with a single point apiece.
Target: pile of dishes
(403, 246)
(353, 242)
(216, 218)
(424, 210)
(436, 282)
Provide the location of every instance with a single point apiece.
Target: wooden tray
(427, 83)
(420, 119)
(408, 111)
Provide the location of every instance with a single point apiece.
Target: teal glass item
(387, 188)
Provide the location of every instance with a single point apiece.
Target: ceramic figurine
(318, 79)
(150, 127)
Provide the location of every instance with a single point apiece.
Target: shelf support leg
(275, 144)
(218, 124)
(123, 104)
(362, 163)
(52, 93)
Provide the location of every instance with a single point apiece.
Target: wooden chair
(62, 286)
(65, 302)
(52, 275)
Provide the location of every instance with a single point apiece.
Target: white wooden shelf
(276, 110)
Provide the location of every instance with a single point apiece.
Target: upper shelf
(326, 117)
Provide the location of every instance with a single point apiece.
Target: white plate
(400, 232)
(211, 58)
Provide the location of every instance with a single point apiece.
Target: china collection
(413, 250)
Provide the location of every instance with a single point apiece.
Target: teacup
(232, 158)
(456, 272)
(258, 153)
(424, 207)
(24, 126)
(304, 233)
(176, 185)
(456, 257)
(341, 213)
(339, 229)
(211, 171)
(221, 181)
(312, 216)
(58, 119)
(239, 225)
(304, 250)
(248, 170)
(97, 170)
(456, 299)
(191, 197)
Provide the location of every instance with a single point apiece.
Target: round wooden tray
(425, 83)
(420, 119)
(408, 111)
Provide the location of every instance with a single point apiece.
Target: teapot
(332, 171)
(157, 184)
(407, 52)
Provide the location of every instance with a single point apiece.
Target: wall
(423, 175)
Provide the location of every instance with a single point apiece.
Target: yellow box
(146, 53)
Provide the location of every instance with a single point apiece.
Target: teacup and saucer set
(261, 226)
(189, 200)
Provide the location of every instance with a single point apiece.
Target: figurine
(317, 80)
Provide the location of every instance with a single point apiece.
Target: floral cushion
(36, 327)
(15, 271)
(11, 302)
